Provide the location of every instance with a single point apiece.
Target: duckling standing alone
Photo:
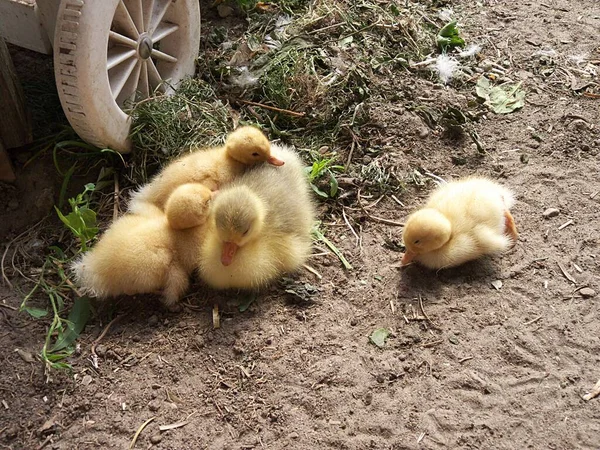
(244, 147)
(143, 254)
(462, 220)
(259, 226)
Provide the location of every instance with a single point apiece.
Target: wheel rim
(142, 48)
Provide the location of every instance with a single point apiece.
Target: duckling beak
(407, 258)
(275, 161)
(228, 252)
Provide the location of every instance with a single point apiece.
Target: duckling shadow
(417, 280)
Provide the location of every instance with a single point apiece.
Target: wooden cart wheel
(108, 52)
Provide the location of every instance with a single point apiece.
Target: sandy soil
(501, 369)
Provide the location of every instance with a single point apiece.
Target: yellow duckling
(143, 254)
(462, 220)
(244, 147)
(259, 226)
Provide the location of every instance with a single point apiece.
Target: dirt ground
(491, 368)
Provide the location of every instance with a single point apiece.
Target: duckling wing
(285, 191)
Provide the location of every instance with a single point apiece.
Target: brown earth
(503, 369)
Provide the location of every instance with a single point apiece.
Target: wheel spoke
(135, 11)
(144, 86)
(118, 54)
(163, 56)
(120, 75)
(148, 9)
(124, 22)
(128, 90)
(154, 76)
(158, 13)
(123, 40)
(163, 30)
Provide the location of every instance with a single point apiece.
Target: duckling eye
(255, 154)
(417, 241)
(245, 232)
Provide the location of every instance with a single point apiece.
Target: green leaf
(77, 320)
(449, 36)
(379, 336)
(318, 191)
(502, 99)
(247, 301)
(37, 313)
(333, 185)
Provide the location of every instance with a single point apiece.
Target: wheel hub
(145, 46)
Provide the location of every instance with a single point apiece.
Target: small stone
(87, 379)
(367, 159)
(585, 147)
(153, 320)
(380, 378)
(587, 292)
(551, 212)
(155, 439)
(101, 350)
(353, 322)
(294, 435)
(368, 398)
(154, 405)
(402, 357)
(497, 284)
(524, 158)
(423, 132)
(25, 356)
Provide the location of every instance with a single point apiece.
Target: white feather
(471, 50)
(445, 66)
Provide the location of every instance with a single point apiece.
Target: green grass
(168, 125)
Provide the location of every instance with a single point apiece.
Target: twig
(425, 314)
(529, 322)
(173, 426)
(349, 159)
(272, 108)
(313, 271)
(375, 218)
(468, 358)
(9, 307)
(215, 317)
(566, 224)
(435, 177)
(29, 230)
(397, 201)
(140, 429)
(43, 444)
(567, 275)
(99, 338)
(350, 226)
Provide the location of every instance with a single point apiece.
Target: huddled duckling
(259, 226)
(244, 147)
(462, 221)
(144, 254)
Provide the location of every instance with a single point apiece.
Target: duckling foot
(511, 228)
